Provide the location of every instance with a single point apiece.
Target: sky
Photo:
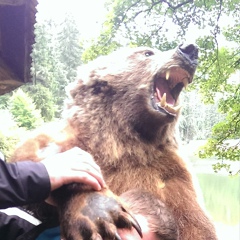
(89, 14)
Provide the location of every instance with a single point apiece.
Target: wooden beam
(8, 79)
(17, 19)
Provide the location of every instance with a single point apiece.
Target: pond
(221, 192)
(222, 200)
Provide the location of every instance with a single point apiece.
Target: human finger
(91, 171)
(78, 164)
(85, 178)
(79, 157)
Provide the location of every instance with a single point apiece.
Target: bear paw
(97, 217)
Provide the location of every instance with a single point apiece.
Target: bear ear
(85, 73)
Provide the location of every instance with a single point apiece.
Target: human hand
(74, 165)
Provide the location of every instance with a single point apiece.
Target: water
(222, 200)
(221, 193)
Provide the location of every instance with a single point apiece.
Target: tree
(24, 110)
(4, 100)
(56, 56)
(43, 99)
(69, 48)
(43, 70)
(10, 133)
(224, 83)
(164, 24)
(193, 127)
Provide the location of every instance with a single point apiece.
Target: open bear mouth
(167, 87)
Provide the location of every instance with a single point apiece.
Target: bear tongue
(161, 88)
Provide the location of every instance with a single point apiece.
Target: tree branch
(178, 5)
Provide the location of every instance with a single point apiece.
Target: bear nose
(190, 50)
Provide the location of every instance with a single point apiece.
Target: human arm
(22, 183)
(13, 223)
(28, 182)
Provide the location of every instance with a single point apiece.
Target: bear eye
(149, 53)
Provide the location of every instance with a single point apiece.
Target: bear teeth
(173, 110)
(175, 79)
(163, 101)
(167, 75)
(169, 108)
(185, 82)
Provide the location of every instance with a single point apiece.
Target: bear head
(134, 90)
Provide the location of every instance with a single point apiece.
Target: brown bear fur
(160, 220)
(112, 114)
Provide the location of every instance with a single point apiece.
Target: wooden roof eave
(17, 19)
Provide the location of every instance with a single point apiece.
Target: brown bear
(123, 110)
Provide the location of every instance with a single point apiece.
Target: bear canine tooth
(185, 82)
(172, 109)
(163, 102)
(177, 108)
(167, 74)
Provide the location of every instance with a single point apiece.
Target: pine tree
(56, 55)
(24, 110)
(43, 70)
(69, 47)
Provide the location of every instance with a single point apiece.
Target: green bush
(9, 133)
(24, 110)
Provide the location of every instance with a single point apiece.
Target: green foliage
(224, 142)
(56, 55)
(4, 144)
(43, 99)
(215, 73)
(193, 127)
(104, 44)
(7, 144)
(160, 24)
(221, 82)
(44, 70)
(165, 24)
(99, 48)
(69, 49)
(4, 99)
(24, 111)
(9, 133)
